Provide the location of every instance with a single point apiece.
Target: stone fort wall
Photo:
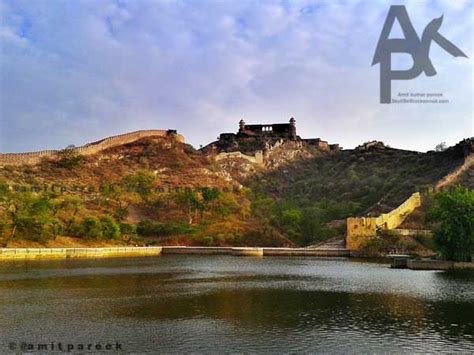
(88, 149)
(450, 178)
(359, 229)
(257, 159)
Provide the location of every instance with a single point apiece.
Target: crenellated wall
(359, 229)
(88, 149)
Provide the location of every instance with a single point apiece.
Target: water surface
(224, 303)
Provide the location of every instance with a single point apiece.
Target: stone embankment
(88, 149)
(62, 253)
(55, 253)
(247, 251)
(406, 262)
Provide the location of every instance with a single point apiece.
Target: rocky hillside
(154, 190)
(160, 190)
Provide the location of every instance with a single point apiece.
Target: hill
(311, 198)
(154, 189)
(157, 189)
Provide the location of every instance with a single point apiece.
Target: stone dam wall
(88, 149)
(359, 229)
(64, 253)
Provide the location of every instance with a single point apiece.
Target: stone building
(251, 138)
(274, 130)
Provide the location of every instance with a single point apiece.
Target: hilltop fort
(261, 138)
(253, 142)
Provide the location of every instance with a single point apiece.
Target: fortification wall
(360, 229)
(88, 149)
(257, 159)
(451, 177)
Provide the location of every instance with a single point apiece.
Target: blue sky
(72, 72)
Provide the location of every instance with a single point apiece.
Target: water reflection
(224, 303)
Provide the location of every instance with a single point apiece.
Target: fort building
(251, 138)
(280, 130)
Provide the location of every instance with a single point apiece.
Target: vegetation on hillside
(305, 199)
(165, 192)
(134, 210)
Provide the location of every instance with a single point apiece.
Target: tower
(292, 132)
(241, 126)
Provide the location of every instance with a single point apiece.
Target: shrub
(208, 241)
(145, 228)
(128, 229)
(91, 227)
(69, 158)
(110, 228)
(74, 227)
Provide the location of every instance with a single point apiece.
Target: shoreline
(111, 252)
(65, 253)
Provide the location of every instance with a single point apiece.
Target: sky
(72, 72)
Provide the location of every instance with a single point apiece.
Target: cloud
(74, 72)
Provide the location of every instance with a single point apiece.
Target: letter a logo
(411, 44)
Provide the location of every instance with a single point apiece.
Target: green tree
(110, 228)
(29, 215)
(208, 196)
(291, 222)
(441, 147)
(55, 227)
(18, 206)
(43, 212)
(191, 204)
(91, 227)
(225, 205)
(453, 215)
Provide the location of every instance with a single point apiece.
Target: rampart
(257, 159)
(88, 149)
(450, 178)
(359, 229)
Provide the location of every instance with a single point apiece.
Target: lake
(224, 303)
